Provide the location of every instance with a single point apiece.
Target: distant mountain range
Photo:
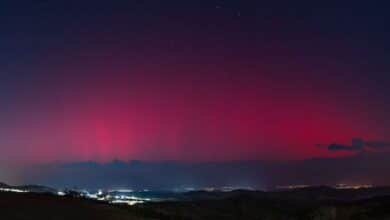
(3, 185)
(312, 194)
(29, 188)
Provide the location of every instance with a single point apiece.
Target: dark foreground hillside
(318, 203)
(246, 208)
(15, 206)
(311, 204)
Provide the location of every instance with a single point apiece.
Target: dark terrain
(310, 203)
(15, 206)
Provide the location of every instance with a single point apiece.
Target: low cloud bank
(359, 144)
(364, 167)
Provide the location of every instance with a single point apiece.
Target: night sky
(192, 81)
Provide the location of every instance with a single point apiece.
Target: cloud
(377, 144)
(335, 147)
(357, 144)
